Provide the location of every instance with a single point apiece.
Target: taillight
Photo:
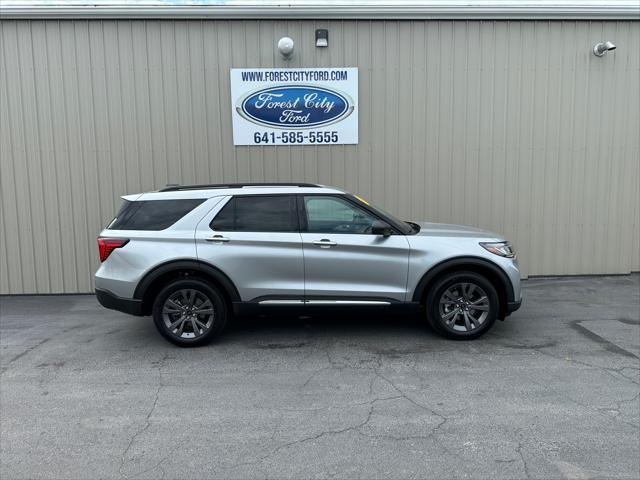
(108, 245)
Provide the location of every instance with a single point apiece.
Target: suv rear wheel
(462, 305)
(189, 312)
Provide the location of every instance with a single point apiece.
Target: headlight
(504, 249)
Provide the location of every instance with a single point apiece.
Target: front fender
(461, 263)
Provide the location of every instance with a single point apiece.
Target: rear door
(343, 260)
(255, 240)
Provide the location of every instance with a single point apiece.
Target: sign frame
(294, 106)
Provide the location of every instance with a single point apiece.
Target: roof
(176, 187)
(325, 9)
(221, 190)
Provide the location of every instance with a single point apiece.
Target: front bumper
(107, 299)
(513, 306)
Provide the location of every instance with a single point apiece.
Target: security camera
(599, 49)
(285, 47)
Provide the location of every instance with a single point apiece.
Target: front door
(343, 259)
(255, 241)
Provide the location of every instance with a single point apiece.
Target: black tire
(459, 308)
(172, 307)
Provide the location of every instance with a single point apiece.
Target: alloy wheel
(188, 313)
(464, 307)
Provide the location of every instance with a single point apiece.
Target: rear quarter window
(152, 214)
(258, 213)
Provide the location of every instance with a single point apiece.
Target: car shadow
(329, 324)
(383, 328)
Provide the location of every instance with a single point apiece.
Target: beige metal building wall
(510, 125)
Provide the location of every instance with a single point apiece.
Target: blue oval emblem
(295, 106)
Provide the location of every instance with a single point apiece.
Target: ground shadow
(329, 322)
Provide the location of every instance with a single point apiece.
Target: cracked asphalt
(552, 392)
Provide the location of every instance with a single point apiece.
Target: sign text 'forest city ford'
(295, 106)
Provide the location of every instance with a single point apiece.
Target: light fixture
(599, 49)
(285, 47)
(322, 37)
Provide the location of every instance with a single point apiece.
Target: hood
(449, 230)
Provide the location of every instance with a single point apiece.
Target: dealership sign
(304, 106)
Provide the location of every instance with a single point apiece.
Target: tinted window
(334, 215)
(258, 213)
(404, 227)
(225, 219)
(152, 214)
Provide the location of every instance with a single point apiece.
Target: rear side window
(152, 214)
(258, 213)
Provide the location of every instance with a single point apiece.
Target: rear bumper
(107, 299)
(513, 306)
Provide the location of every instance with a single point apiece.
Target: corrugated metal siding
(511, 126)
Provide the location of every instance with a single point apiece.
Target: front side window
(335, 215)
(152, 214)
(258, 213)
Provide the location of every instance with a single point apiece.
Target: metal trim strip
(323, 302)
(366, 10)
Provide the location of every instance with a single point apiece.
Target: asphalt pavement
(551, 393)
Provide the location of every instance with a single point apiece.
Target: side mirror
(378, 227)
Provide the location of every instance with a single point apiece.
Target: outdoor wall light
(322, 37)
(285, 47)
(599, 49)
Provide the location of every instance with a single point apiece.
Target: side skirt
(321, 306)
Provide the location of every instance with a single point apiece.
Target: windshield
(406, 228)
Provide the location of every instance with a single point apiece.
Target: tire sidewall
(219, 304)
(433, 301)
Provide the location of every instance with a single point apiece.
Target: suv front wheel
(189, 312)
(462, 305)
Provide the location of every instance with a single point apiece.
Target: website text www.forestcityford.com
(295, 76)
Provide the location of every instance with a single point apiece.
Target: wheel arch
(491, 271)
(154, 280)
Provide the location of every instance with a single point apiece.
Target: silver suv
(191, 255)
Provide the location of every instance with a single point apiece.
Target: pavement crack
(317, 436)
(30, 349)
(403, 394)
(150, 469)
(524, 460)
(591, 408)
(611, 371)
(313, 375)
(146, 425)
(617, 409)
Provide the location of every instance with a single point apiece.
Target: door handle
(218, 238)
(325, 243)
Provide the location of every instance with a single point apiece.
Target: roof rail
(175, 188)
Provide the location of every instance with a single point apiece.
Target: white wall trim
(328, 9)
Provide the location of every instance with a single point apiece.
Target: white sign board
(294, 106)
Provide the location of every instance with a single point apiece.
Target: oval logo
(295, 106)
